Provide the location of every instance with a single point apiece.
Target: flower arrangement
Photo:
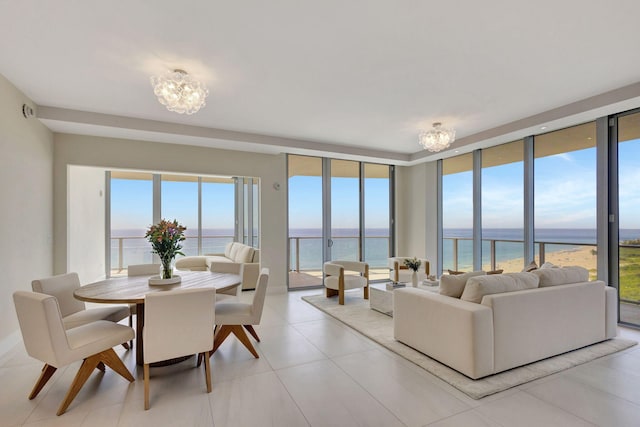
(413, 263)
(165, 238)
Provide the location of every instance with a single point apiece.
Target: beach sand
(581, 256)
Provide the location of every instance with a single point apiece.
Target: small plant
(413, 263)
(165, 238)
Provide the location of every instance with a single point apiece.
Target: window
(457, 212)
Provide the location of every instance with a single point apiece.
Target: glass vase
(166, 269)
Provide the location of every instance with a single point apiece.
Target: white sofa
(236, 259)
(506, 329)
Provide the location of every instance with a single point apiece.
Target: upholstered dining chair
(232, 317)
(177, 323)
(74, 312)
(340, 276)
(46, 339)
(399, 272)
(140, 270)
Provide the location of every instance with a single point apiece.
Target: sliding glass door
(629, 218)
(338, 210)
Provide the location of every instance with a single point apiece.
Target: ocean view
(135, 248)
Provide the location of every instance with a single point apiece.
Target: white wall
(161, 157)
(86, 223)
(26, 200)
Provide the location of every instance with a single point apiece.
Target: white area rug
(379, 327)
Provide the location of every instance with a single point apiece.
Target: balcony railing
(127, 250)
(344, 247)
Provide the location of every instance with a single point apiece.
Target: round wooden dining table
(132, 290)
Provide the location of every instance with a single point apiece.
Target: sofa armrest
(455, 332)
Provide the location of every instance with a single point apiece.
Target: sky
(564, 192)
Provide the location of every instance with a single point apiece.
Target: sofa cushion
(234, 250)
(479, 286)
(227, 249)
(452, 285)
(561, 275)
(243, 254)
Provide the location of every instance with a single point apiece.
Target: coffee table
(381, 296)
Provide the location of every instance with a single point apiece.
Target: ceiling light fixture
(436, 139)
(179, 92)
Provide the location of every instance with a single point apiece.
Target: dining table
(133, 289)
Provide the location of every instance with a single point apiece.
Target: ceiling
(351, 79)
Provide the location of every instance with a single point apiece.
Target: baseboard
(9, 342)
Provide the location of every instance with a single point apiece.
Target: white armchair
(398, 272)
(341, 276)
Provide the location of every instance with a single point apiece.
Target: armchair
(339, 277)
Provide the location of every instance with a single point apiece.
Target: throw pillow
(548, 265)
(532, 266)
(452, 285)
(478, 287)
(562, 275)
(455, 273)
(495, 271)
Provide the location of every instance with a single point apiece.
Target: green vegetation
(630, 271)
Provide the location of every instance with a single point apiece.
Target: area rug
(379, 327)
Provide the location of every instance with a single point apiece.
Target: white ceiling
(355, 78)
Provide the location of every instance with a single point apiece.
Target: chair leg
(207, 370)
(101, 367)
(45, 375)
(125, 345)
(366, 292)
(131, 326)
(237, 330)
(146, 386)
(341, 297)
(111, 359)
(88, 365)
(252, 332)
(200, 356)
(331, 292)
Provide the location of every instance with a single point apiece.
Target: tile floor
(315, 371)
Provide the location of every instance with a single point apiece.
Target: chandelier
(179, 92)
(436, 139)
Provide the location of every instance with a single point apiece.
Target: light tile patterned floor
(315, 371)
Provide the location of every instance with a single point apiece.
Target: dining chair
(232, 317)
(177, 323)
(47, 339)
(340, 276)
(140, 270)
(74, 312)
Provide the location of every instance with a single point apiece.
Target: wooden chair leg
(88, 365)
(131, 326)
(252, 332)
(341, 290)
(331, 292)
(366, 292)
(125, 345)
(200, 356)
(101, 367)
(207, 370)
(146, 386)
(45, 375)
(218, 338)
(244, 339)
(111, 359)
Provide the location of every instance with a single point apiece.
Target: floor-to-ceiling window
(503, 207)
(131, 212)
(629, 217)
(207, 206)
(565, 197)
(457, 213)
(338, 209)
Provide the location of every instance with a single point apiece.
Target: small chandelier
(179, 92)
(436, 139)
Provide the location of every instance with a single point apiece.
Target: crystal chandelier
(436, 139)
(179, 92)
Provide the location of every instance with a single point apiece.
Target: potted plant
(413, 264)
(165, 238)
